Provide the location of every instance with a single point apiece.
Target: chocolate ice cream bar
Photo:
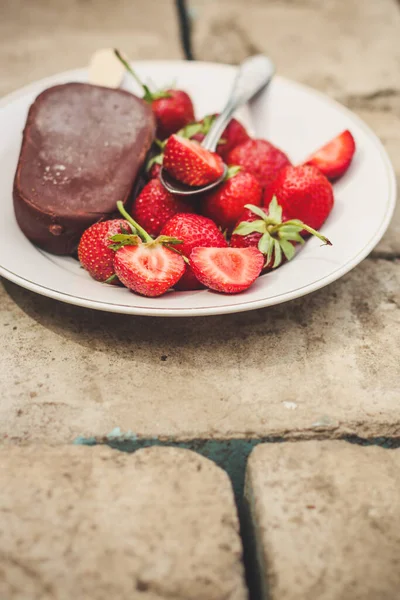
(83, 148)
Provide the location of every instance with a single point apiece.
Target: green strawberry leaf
(166, 239)
(246, 227)
(190, 130)
(291, 237)
(264, 243)
(232, 171)
(275, 211)
(121, 239)
(278, 254)
(271, 246)
(111, 278)
(287, 249)
(257, 211)
(154, 160)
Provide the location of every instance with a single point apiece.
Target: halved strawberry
(144, 265)
(189, 163)
(194, 231)
(335, 157)
(228, 270)
(148, 269)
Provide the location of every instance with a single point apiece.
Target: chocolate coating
(83, 147)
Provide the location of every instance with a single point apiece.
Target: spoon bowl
(254, 74)
(177, 187)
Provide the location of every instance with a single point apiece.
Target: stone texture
(96, 523)
(319, 43)
(323, 365)
(327, 516)
(45, 37)
(386, 124)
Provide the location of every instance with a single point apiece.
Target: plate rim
(235, 307)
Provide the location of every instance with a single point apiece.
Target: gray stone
(326, 364)
(386, 124)
(327, 520)
(339, 47)
(96, 523)
(50, 36)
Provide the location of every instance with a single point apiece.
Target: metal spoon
(254, 75)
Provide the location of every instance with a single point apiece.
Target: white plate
(292, 116)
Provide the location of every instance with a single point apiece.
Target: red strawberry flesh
(194, 231)
(148, 270)
(335, 157)
(191, 164)
(228, 270)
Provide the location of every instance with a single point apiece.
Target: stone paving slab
(319, 44)
(45, 37)
(327, 517)
(96, 523)
(338, 47)
(323, 365)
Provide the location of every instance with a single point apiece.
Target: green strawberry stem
(301, 226)
(148, 96)
(111, 278)
(143, 234)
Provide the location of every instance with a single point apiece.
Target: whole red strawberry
(227, 270)
(155, 206)
(304, 193)
(260, 158)
(225, 204)
(233, 134)
(273, 235)
(173, 109)
(189, 163)
(94, 252)
(335, 157)
(194, 231)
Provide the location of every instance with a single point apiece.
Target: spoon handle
(254, 74)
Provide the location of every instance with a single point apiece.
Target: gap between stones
(231, 455)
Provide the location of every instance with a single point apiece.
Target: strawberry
(189, 163)
(173, 109)
(194, 231)
(154, 171)
(270, 233)
(225, 204)
(155, 206)
(146, 266)
(233, 134)
(228, 270)
(303, 193)
(94, 252)
(335, 157)
(260, 158)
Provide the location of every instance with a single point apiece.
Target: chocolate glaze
(83, 147)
